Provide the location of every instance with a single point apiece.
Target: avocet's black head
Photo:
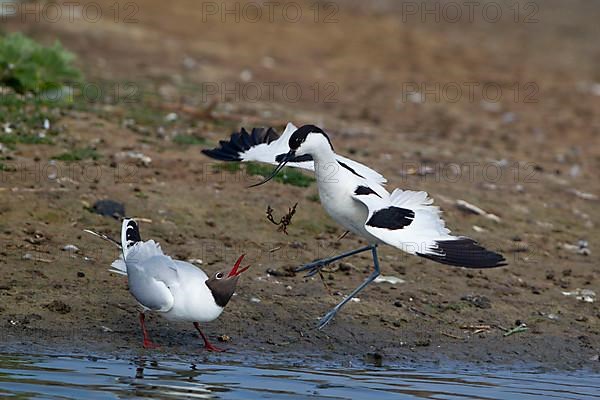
(303, 133)
(305, 140)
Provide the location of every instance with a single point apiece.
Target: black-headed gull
(354, 196)
(178, 290)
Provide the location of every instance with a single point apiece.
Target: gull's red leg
(147, 342)
(207, 344)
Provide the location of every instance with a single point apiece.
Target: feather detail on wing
(408, 220)
(150, 272)
(118, 266)
(151, 275)
(265, 145)
(137, 253)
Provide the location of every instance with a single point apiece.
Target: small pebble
(70, 247)
(109, 208)
(171, 117)
(346, 267)
(478, 301)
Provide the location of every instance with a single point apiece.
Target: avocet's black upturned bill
(354, 196)
(177, 289)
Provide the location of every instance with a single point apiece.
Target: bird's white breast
(335, 193)
(194, 301)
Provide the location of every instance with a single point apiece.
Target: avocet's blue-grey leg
(329, 316)
(315, 266)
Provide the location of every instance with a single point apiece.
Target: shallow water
(70, 377)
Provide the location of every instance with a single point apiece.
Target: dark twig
(325, 283)
(343, 235)
(284, 221)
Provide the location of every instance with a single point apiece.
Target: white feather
(421, 234)
(118, 266)
(268, 152)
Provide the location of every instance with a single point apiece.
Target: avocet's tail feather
(463, 252)
(409, 221)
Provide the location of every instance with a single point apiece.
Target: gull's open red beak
(236, 271)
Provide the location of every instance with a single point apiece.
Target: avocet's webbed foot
(327, 317)
(313, 267)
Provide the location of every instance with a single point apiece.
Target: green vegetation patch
(36, 81)
(86, 153)
(228, 166)
(188, 140)
(29, 67)
(11, 139)
(289, 176)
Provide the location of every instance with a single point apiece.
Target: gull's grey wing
(150, 281)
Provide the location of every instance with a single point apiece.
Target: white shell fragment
(585, 295)
(466, 206)
(133, 155)
(394, 280)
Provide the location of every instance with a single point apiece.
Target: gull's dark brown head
(222, 284)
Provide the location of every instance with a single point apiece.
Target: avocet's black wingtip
(219, 154)
(464, 252)
(240, 142)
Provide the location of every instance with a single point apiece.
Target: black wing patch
(392, 218)
(240, 142)
(350, 169)
(465, 252)
(304, 157)
(365, 190)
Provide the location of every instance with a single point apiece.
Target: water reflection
(155, 379)
(26, 376)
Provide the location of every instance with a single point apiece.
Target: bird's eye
(219, 275)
